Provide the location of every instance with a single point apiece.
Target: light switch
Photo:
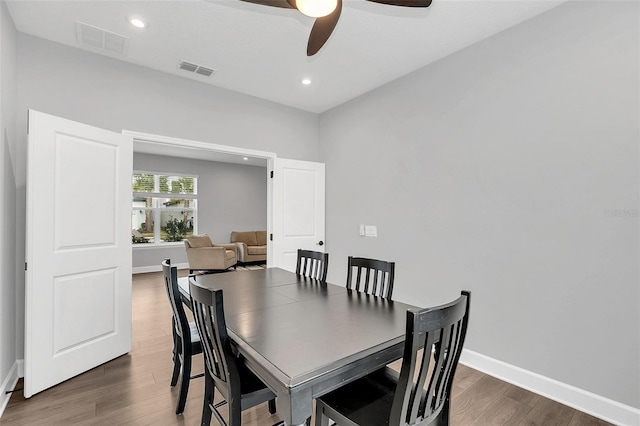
(371, 230)
(362, 230)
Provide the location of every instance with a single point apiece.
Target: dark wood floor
(134, 389)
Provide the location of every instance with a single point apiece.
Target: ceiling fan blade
(322, 29)
(275, 3)
(405, 3)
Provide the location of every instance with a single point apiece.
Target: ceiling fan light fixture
(316, 8)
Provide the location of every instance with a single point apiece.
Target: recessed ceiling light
(137, 22)
(245, 158)
(306, 81)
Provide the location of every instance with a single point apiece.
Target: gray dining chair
(224, 372)
(421, 394)
(371, 276)
(312, 264)
(186, 340)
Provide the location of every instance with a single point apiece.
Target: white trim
(206, 146)
(156, 268)
(580, 399)
(8, 385)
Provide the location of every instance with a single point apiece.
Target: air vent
(198, 69)
(98, 39)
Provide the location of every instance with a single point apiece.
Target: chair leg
(208, 401)
(184, 383)
(272, 406)
(235, 413)
(321, 419)
(176, 355)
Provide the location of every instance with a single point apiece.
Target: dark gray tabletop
(304, 338)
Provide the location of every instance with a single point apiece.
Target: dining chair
(421, 393)
(186, 340)
(377, 279)
(312, 264)
(239, 387)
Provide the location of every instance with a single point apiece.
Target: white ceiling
(261, 51)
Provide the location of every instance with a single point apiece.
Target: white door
(78, 277)
(298, 210)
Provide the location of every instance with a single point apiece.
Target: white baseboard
(20, 367)
(8, 385)
(580, 399)
(156, 268)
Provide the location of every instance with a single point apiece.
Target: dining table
(302, 337)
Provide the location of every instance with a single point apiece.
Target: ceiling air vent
(98, 39)
(198, 69)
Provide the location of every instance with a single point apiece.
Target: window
(164, 207)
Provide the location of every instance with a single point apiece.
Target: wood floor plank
(502, 411)
(471, 404)
(548, 413)
(583, 419)
(134, 389)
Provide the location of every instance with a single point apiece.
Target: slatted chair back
(371, 276)
(425, 399)
(208, 312)
(180, 321)
(312, 264)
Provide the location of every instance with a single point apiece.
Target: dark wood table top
(304, 338)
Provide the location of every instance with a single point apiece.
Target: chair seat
(366, 401)
(253, 390)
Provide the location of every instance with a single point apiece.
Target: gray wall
(493, 170)
(231, 197)
(8, 265)
(114, 95)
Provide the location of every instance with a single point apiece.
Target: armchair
(203, 255)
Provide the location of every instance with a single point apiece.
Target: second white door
(298, 210)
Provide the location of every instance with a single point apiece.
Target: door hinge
(271, 174)
(271, 237)
(25, 266)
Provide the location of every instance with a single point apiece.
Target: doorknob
(321, 243)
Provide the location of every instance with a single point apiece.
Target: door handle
(321, 243)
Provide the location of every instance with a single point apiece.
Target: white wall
(8, 266)
(231, 197)
(493, 170)
(114, 95)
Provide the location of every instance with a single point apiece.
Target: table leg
(296, 407)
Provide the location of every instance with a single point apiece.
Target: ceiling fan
(327, 13)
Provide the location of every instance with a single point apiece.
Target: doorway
(187, 149)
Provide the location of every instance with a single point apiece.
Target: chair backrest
(377, 278)
(312, 264)
(198, 241)
(424, 399)
(220, 362)
(181, 323)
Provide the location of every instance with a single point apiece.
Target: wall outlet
(362, 230)
(370, 230)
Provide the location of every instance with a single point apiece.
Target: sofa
(203, 255)
(252, 245)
